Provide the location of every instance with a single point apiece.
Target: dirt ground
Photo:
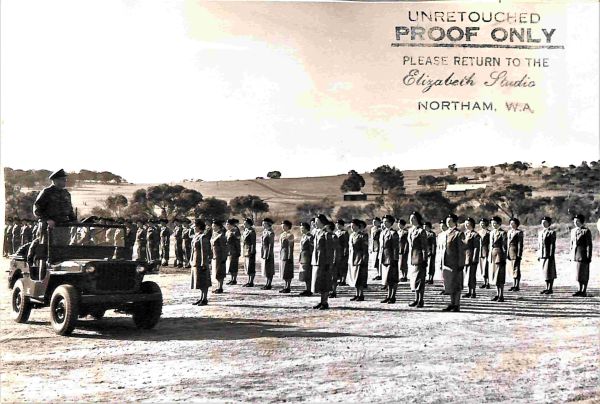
(249, 344)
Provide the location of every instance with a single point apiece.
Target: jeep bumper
(120, 299)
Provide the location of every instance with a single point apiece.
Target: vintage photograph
(300, 201)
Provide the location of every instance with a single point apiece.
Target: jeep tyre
(21, 306)
(147, 314)
(64, 309)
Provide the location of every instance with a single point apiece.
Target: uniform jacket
(306, 249)
(267, 246)
(323, 251)
(472, 247)
(249, 242)
(581, 244)
(418, 246)
(344, 240)
(201, 251)
(26, 234)
(546, 243)
(375, 238)
(286, 246)
(218, 244)
(484, 241)
(336, 250)
(140, 235)
(165, 235)
(233, 243)
(452, 249)
(359, 249)
(403, 241)
(498, 246)
(53, 203)
(390, 246)
(177, 232)
(515, 244)
(432, 242)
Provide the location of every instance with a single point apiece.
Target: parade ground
(251, 344)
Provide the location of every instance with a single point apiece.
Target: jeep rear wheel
(147, 314)
(64, 309)
(21, 306)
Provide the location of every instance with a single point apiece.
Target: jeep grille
(115, 277)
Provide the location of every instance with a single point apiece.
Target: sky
(160, 91)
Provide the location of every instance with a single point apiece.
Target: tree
(511, 200)
(115, 204)
(20, 204)
(249, 205)
(433, 205)
(479, 170)
(452, 168)
(274, 174)
(212, 209)
(354, 182)
(386, 177)
(172, 200)
(348, 213)
(307, 210)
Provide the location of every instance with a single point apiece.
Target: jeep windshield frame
(86, 241)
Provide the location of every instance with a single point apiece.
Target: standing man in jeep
(52, 206)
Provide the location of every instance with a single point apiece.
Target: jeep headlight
(140, 269)
(90, 269)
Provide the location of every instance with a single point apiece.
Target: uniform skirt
(200, 278)
(484, 267)
(233, 264)
(268, 267)
(416, 274)
(499, 273)
(219, 268)
(548, 268)
(250, 265)
(582, 269)
(514, 268)
(321, 279)
(389, 274)
(404, 263)
(453, 280)
(431, 265)
(342, 267)
(374, 256)
(305, 274)
(357, 275)
(471, 273)
(141, 253)
(286, 269)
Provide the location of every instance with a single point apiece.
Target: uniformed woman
(249, 249)
(286, 256)
(218, 244)
(322, 262)
(140, 240)
(418, 250)
(389, 255)
(200, 261)
(546, 251)
(344, 241)
(374, 250)
(581, 253)
(336, 258)
(498, 249)
(267, 252)
(233, 250)
(432, 244)
(453, 262)
(472, 250)
(515, 252)
(440, 248)
(305, 257)
(403, 240)
(484, 252)
(359, 257)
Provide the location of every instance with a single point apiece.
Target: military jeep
(79, 270)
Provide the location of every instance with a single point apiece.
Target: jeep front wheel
(147, 314)
(21, 306)
(64, 309)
